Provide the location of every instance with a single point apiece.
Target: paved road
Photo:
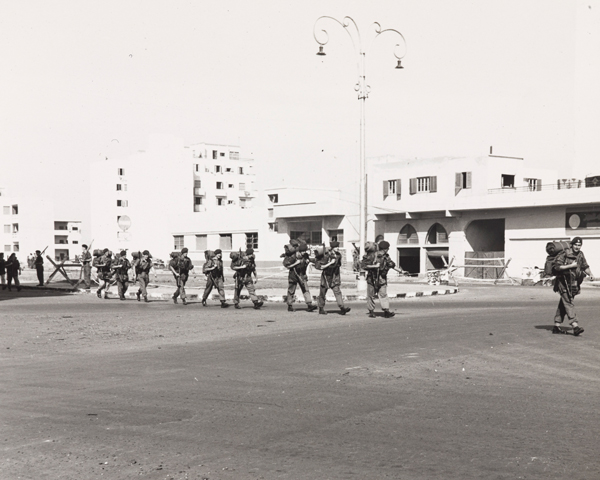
(467, 386)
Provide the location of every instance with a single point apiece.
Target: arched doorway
(409, 256)
(437, 247)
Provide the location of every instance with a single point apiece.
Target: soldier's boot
(146, 299)
(139, 295)
(224, 304)
(258, 304)
(290, 308)
(577, 331)
(322, 311)
(3, 287)
(237, 306)
(105, 295)
(372, 314)
(19, 288)
(344, 310)
(311, 307)
(388, 314)
(99, 293)
(184, 301)
(204, 302)
(174, 299)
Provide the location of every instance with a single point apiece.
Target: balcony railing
(559, 185)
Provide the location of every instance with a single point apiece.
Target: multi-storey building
(28, 225)
(473, 209)
(200, 196)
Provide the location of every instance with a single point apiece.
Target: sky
(84, 80)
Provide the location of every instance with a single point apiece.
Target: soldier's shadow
(566, 330)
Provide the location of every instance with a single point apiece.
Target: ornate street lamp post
(362, 89)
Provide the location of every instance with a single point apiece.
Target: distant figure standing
(86, 261)
(297, 263)
(2, 271)
(103, 263)
(329, 263)
(121, 267)
(142, 271)
(13, 270)
(571, 268)
(244, 269)
(38, 262)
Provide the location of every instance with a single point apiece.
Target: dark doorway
(409, 259)
(486, 235)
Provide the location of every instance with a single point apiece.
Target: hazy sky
(82, 80)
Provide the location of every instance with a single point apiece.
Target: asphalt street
(466, 386)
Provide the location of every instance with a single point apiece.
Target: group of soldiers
(297, 257)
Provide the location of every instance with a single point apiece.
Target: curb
(279, 298)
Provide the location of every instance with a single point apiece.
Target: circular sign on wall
(124, 222)
(574, 221)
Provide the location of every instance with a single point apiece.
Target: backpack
(208, 255)
(553, 249)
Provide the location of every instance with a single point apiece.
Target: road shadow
(566, 330)
(31, 292)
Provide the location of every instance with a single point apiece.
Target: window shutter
(538, 184)
(457, 182)
(468, 185)
(385, 189)
(398, 189)
(412, 186)
(433, 184)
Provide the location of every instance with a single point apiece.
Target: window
(197, 184)
(225, 241)
(201, 242)
(178, 242)
(270, 210)
(217, 168)
(391, 187)
(60, 239)
(124, 187)
(252, 240)
(242, 186)
(122, 203)
(423, 185)
(228, 170)
(75, 242)
(118, 187)
(197, 200)
(6, 210)
(6, 228)
(408, 234)
(15, 228)
(219, 185)
(214, 154)
(222, 154)
(220, 201)
(274, 198)
(244, 203)
(196, 167)
(316, 237)
(533, 184)
(461, 180)
(230, 202)
(437, 234)
(75, 228)
(336, 236)
(234, 155)
(508, 181)
(121, 171)
(16, 247)
(273, 227)
(7, 248)
(15, 209)
(241, 170)
(230, 185)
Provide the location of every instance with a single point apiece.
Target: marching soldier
(213, 268)
(103, 262)
(181, 267)
(329, 263)
(121, 268)
(86, 262)
(297, 263)
(377, 264)
(38, 262)
(142, 266)
(243, 278)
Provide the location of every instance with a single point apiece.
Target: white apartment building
(201, 196)
(469, 209)
(28, 224)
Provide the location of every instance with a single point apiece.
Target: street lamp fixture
(321, 37)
